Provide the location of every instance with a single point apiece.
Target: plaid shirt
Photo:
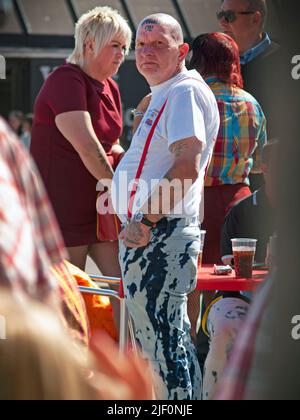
(32, 251)
(241, 137)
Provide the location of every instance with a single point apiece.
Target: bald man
(160, 242)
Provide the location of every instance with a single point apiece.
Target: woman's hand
(117, 152)
(117, 149)
(142, 107)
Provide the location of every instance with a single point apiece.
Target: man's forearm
(177, 182)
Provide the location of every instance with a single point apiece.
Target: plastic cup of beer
(244, 253)
(202, 239)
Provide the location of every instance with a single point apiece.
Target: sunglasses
(230, 16)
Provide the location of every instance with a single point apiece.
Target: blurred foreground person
(39, 362)
(37, 358)
(32, 252)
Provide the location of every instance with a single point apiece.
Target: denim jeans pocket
(184, 240)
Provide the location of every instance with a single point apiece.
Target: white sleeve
(185, 116)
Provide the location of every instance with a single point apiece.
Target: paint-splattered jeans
(157, 279)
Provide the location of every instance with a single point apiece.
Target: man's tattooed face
(148, 24)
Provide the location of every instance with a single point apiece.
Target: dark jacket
(250, 218)
(261, 78)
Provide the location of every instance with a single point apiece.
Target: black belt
(168, 222)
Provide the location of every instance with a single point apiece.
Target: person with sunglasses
(244, 21)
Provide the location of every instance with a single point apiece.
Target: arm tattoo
(165, 197)
(103, 161)
(178, 149)
(131, 242)
(159, 196)
(148, 24)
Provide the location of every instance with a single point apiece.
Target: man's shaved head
(160, 49)
(164, 20)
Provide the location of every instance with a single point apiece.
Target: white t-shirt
(191, 110)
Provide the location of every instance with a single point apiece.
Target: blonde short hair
(99, 25)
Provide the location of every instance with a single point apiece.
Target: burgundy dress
(71, 187)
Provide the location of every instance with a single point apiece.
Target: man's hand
(135, 235)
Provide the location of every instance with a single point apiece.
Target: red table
(207, 280)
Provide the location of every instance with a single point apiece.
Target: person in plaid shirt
(241, 137)
(32, 251)
(238, 148)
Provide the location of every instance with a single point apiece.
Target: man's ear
(183, 51)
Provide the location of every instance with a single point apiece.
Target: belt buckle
(125, 224)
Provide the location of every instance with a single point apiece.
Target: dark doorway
(15, 89)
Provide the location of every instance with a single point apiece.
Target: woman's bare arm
(77, 128)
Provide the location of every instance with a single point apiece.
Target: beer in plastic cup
(243, 252)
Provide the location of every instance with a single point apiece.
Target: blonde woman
(77, 124)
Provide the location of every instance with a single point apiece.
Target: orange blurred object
(99, 308)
